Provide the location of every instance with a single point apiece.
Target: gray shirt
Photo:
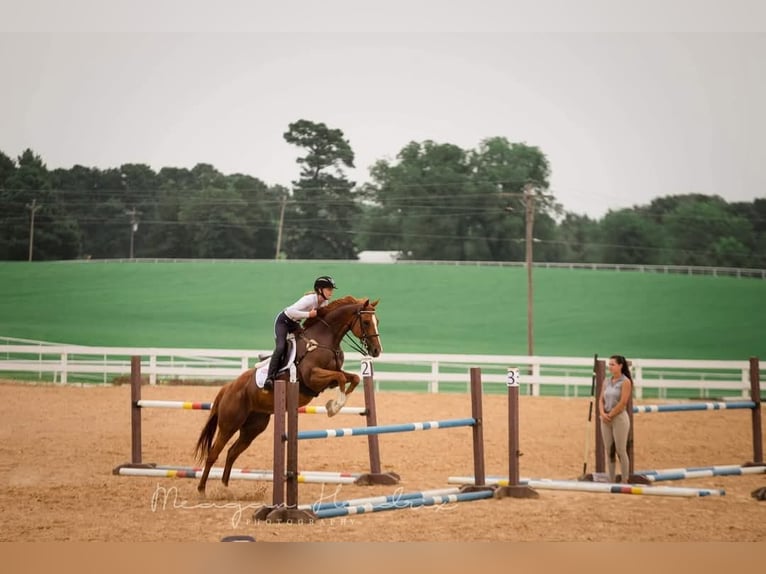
(612, 392)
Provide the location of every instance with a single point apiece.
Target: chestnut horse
(242, 406)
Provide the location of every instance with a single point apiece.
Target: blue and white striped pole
(719, 406)
(375, 500)
(700, 472)
(400, 504)
(384, 429)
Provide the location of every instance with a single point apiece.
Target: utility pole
(529, 194)
(529, 201)
(133, 227)
(279, 230)
(32, 208)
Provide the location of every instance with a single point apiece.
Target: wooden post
(600, 376)
(514, 489)
(591, 404)
(372, 420)
(631, 448)
(278, 494)
(477, 430)
(285, 475)
(755, 395)
(292, 443)
(135, 419)
(135, 410)
(513, 436)
(376, 475)
(478, 427)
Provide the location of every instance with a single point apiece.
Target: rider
(288, 321)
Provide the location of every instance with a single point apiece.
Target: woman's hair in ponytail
(623, 362)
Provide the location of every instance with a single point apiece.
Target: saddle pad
(262, 367)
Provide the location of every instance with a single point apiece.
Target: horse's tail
(205, 440)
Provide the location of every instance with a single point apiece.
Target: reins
(361, 348)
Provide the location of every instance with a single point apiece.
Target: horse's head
(350, 314)
(365, 328)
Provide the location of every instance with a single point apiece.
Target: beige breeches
(616, 433)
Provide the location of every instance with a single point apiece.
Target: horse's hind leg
(255, 424)
(220, 441)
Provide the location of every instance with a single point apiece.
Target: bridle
(364, 348)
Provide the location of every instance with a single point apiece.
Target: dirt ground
(60, 444)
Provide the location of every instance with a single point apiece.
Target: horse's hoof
(333, 408)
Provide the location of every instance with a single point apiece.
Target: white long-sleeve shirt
(300, 309)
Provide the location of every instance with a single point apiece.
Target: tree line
(435, 201)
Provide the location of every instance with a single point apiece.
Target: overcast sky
(628, 102)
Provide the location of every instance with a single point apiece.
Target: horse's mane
(330, 307)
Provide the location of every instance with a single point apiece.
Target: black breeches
(282, 326)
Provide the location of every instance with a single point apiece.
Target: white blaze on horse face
(375, 331)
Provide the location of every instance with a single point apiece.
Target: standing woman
(615, 421)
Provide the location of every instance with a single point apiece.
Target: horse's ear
(375, 303)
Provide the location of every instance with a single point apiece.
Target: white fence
(738, 272)
(67, 363)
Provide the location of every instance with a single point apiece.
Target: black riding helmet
(324, 281)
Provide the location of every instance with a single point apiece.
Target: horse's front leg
(334, 406)
(353, 379)
(327, 377)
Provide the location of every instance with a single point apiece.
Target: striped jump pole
(700, 472)
(186, 405)
(385, 429)
(598, 487)
(325, 473)
(416, 502)
(190, 405)
(236, 474)
(718, 406)
(391, 498)
(317, 410)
